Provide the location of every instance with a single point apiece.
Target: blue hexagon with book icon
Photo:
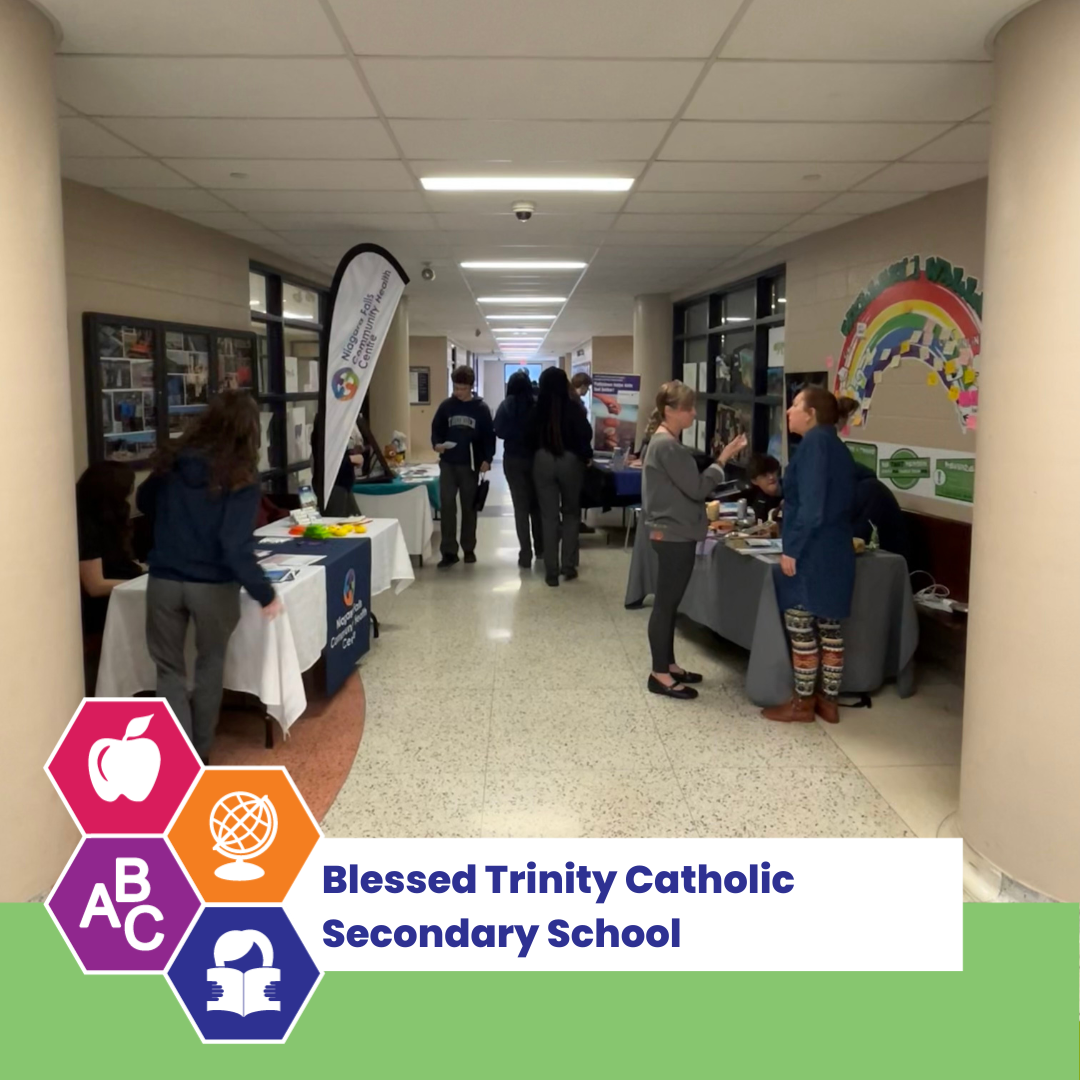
(243, 975)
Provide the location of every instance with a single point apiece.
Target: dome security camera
(427, 273)
(524, 211)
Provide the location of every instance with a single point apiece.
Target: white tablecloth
(390, 563)
(411, 508)
(264, 658)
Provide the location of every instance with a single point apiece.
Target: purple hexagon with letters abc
(123, 904)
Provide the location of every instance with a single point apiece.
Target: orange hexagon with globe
(244, 834)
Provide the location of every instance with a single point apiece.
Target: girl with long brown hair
(202, 497)
(673, 502)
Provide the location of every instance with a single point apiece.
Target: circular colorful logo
(348, 594)
(345, 384)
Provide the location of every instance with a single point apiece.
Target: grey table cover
(734, 595)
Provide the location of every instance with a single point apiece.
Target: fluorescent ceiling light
(523, 318)
(522, 300)
(527, 183)
(523, 265)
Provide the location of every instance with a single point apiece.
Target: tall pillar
(40, 636)
(1019, 797)
(389, 390)
(653, 329)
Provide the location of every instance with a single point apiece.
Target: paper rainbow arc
(915, 320)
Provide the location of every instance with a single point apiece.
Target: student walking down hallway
(463, 435)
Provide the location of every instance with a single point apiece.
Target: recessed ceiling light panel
(526, 183)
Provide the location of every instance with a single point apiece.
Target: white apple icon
(127, 766)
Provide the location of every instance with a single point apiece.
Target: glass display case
(146, 379)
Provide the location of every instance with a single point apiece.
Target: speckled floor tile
(895, 732)
(809, 802)
(923, 795)
(585, 804)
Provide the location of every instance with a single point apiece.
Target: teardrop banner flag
(365, 294)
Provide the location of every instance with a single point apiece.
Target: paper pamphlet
(295, 562)
(244, 990)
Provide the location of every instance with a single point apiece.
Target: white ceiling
(305, 125)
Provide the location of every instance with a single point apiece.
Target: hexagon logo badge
(123, 904)
(123, 765)
(243, 975)
(244, 834)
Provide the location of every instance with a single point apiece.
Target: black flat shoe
(470, 557)
(687, 677)
(552, 580)
(570, 574)
(525, 561)
(683, 693)
(447, 560)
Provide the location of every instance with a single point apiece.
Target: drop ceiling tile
(64, 110)
(753, 202)
(558, 28)
(981, 118)
(967, 143)
(327, 139)
(264, 238)
(121, 173)
(84, 138)
(541, 223)
(698, 140)
(527, 168)
(531, 89)
(505, 140)
(195, 27)
(175, 201)
(326, 221)
(189, 87)
(909, 176)
(830, 30)
(336, 202)
(868, 202)
(750, 176)
(682, 241)
(737, 90)
(308, 174)
(223, 221)
(703, 222)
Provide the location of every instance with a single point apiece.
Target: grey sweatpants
(215, 610)
(558, 490)
(457, 480)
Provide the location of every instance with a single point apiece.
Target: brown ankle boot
(826, 708)
(798, 710)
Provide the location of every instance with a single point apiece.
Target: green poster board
(865, 454)
(954, 478)
(905, 469)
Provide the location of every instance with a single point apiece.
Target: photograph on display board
(235, 361)
(174, 390)
(615, 402)
(142, 374)
(110, 341)
(116, 374)
(138, 344)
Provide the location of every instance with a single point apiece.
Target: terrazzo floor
(497, 706)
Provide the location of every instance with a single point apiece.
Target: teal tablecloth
(395, 487)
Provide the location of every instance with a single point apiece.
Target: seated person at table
(463, 435)
(876, 506)
(762, 491)
(203, 496)
(103, 514)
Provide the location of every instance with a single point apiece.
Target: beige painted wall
(826, 272)
(433, 353)
(613, 355)
(124, 258)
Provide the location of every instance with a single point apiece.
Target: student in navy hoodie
(202, 497)
(512, 423)
(465, 422)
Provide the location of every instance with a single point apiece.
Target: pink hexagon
(123, 904)
(123, 765)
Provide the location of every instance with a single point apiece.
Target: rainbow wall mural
(922, 309)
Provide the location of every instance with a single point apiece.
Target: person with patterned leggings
(816, 576)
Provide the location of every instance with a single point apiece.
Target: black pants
(526, 508)
(457, 480)
(342, 503)
(676, 558)
(558, 490)
(215, 610)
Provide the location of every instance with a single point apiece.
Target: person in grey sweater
(673, 509)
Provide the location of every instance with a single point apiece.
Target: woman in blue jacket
(202, 498)
(817, 568)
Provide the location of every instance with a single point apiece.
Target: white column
(40, 635)
(653, 329)
(1020, 772)
(389, 389)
